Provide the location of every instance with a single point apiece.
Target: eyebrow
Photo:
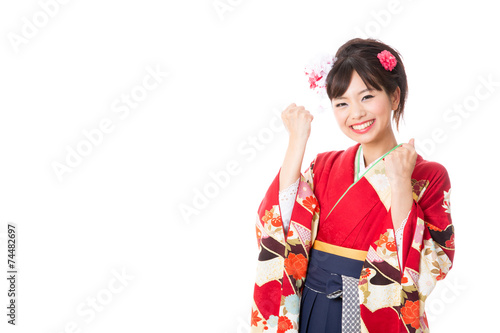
(362, 91)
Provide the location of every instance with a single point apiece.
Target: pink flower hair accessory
(387, 60)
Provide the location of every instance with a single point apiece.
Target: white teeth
(360, 127)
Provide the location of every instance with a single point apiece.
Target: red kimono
(392, 298)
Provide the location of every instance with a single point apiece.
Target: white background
(229, 73)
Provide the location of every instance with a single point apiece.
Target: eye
(367, 96)
(340, 104)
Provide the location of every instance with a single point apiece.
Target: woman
(358, 242)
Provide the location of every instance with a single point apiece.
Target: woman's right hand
(297, 121)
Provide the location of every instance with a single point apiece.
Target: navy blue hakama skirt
(321, 306)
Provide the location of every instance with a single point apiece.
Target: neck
(375, 149)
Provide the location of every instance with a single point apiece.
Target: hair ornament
(316, 72)
(387, 60)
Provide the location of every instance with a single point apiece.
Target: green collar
(357, 162)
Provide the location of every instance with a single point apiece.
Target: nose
(357, 111)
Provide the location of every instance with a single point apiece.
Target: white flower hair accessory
(316, 72)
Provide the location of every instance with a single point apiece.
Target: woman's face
(372, 109)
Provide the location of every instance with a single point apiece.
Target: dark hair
(360, 55)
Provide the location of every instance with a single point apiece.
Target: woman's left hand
(400, 162)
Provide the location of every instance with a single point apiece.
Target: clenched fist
(297, 121)
(400, 163)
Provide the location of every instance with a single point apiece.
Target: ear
(395, 98)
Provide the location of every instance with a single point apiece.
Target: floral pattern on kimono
(392, 298)
(389, 291)
(282, 262)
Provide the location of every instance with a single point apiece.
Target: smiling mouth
(363, 125)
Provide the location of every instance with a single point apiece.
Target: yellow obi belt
(340, 251)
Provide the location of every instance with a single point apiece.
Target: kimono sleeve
(429, 242)
(431, 229)
(283, 259)
(305, 208)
